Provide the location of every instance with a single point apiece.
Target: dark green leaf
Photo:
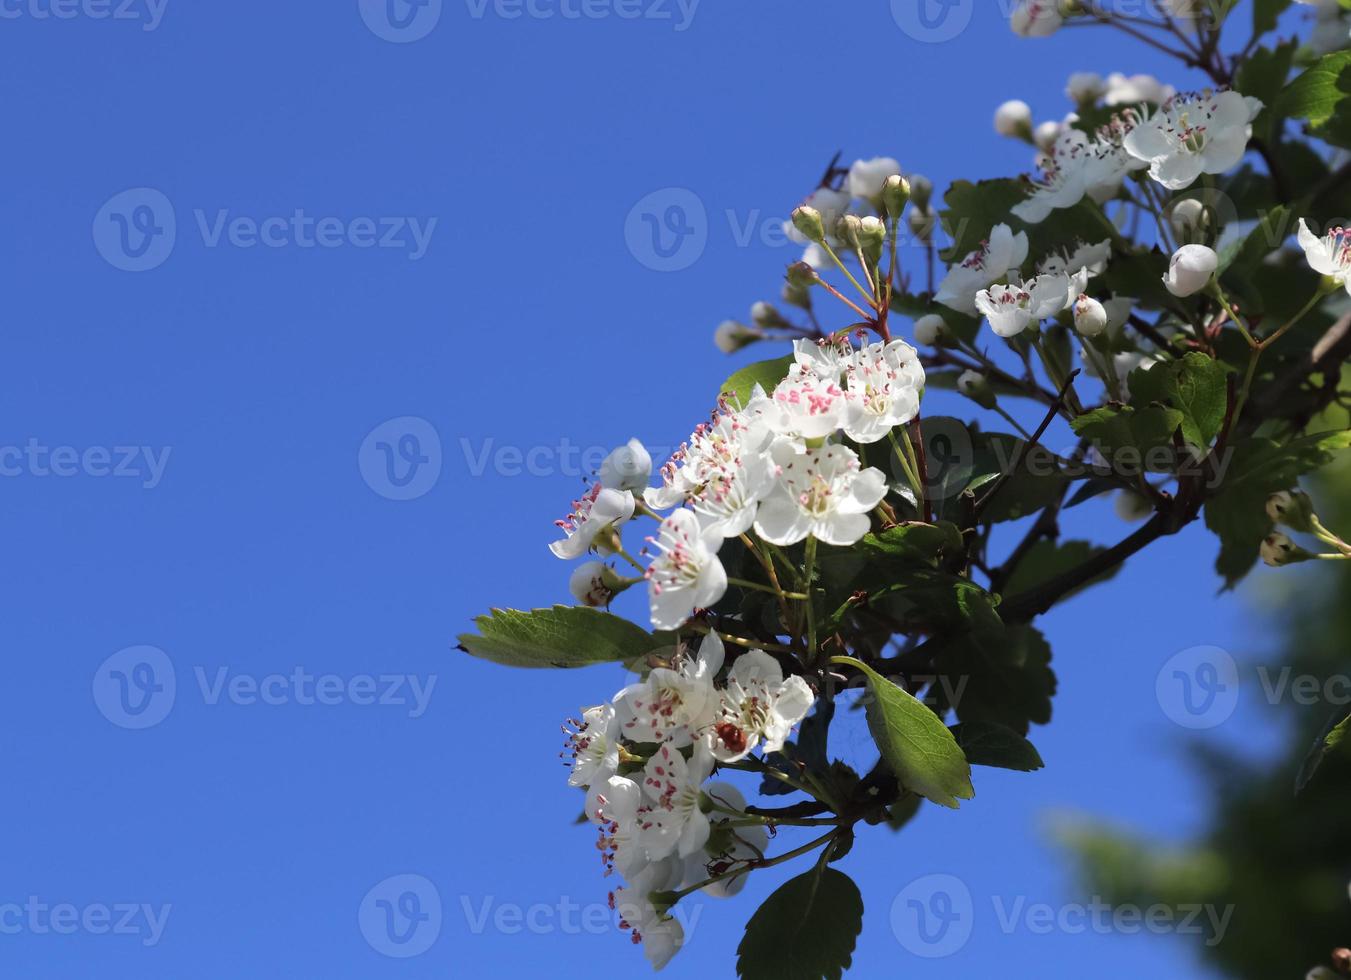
(915, 743)
(563, 636)
(806, 930)
(915, 542)
(999, 674)
(1195, 385)
(1132, 439)
(988, 743)
(1265, 14)
(1319, 96)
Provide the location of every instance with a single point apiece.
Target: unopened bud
(596, 584)
(1292, 509)
(1190, 270)
(1131, 506)
(627, 468)
(1046, 134)
(802, 274)
(1090, 316)
(849, 229)
(895, 195)
(731, 336)
(1189, 219)
(1279, 550)
(921, 191)
(764, 315)
(872, 233)
(1014, 119)
(796, 294)
(974, 385)
(922, 222)
(807, 220)
(930, 330)
(1085, 87)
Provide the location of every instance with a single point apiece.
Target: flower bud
(796, 294)
(627, 468)
(807, 220)
(1279, 550)
(973, 385)
(1036, 18)
(1090, 316)
(731, 336)
(1085, 87)
(921, 191)
(1189, 218)
(930, 330)
(1190, 270)
(1014, 119)
(848, 229)
(1292, 509)
(595, 584)
(922, 222)
(872, 233)
(1046, 134)
(868, 177)
(1132, 507)
(764, 316)
(895, 195)
(1341, 960)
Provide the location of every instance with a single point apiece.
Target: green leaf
(1263, 74)
(1251, 472)
(766, 374)
(915, 542)
(563, 636)
(1036, 482)
(914, 742)
(1000, 674)
(1334, 735)
(1319, 95)
(988, 743)
(806, 930)
(1047, 559)
(1132, 438)
(1265, 14)
(1195, 385)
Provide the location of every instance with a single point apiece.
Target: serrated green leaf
(563, 636)
(766, 374)
(1319, 96)
(915, 541)
(1000, 674)
(1132, 438)
(919, 749)
(988, 743)
(806, 930)
(1195, 385)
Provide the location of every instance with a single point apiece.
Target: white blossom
(1085, 87)
(883, 385)
(672, 704)
(1190, 270)
(597, 508)
(1063, 180)
(587, 584)
(1132, 90)
(1036, 18)
(674, 823)
(759, 707)
(805, 405)
(986, 265)
(686, 574)
(823, 493)
(594, 746)
(727, 848)
(1329, 255)
(730, 336)
(627, 468)
(1012, 308)
(1013, 118)
(866, 177)
(1090, 316)
(1193, 134)
(928, 329)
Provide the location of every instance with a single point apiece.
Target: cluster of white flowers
(668, 732)
(776, 464)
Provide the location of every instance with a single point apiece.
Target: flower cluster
(645, 760)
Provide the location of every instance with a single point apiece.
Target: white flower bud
(922, 222)
(1014, 119)
(1085, 87)
(627, 468)
(867, 177)
(1188, 217)
(1090, 316)
(973, 385)
(872, 232)
(1293, 509)
(1132, 507)
(1279, 550)
(587, 584)
(1046, 134)
(1036, 18)
(731, 336)
(921, 191)
(1190, 270)
(807, 220)
(764, 315)
(928, 329)
(895, 194)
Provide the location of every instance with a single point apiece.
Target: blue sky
(370, 227)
